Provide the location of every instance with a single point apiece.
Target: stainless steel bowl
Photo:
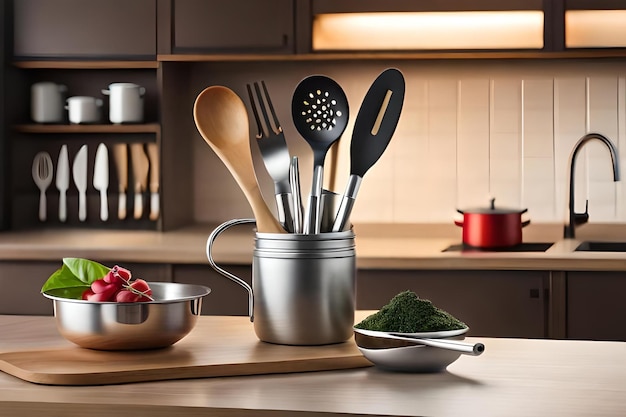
(131, 326)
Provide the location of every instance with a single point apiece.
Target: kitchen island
(514, 377)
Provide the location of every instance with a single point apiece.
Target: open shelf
(409, 55)
(73, 128)
(62, 64)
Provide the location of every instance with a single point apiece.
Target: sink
(593, 246)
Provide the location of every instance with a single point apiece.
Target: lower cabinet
(491, 303)
(595, 305)
(21, 284)
(227, 297)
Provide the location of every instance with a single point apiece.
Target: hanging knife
(101, 179)
(153, 156)
(140, 164)
(79, 172)
(63, 181)
(120, 155)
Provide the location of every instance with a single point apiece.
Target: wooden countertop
(378, 247)
(514, 377)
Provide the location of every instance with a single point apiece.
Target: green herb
(74, 277)
(407, 313)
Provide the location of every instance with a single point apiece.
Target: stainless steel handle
(209, 254)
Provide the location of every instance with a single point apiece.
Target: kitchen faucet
(574, 218)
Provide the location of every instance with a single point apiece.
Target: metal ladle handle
(209, 253)
(466, 348)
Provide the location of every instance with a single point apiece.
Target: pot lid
(493, 210)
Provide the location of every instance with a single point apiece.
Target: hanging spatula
(374, 126)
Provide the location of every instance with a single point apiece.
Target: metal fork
(273, 147)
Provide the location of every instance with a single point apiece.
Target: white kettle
(125, 102)
(47, 102)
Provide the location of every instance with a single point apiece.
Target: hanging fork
(273, 147)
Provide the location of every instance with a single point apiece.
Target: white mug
(83, 109)
(125, 102)
(46, 102)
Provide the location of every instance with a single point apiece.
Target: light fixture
(428, 30)
(595, 28)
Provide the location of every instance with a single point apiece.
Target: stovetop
(522, 247)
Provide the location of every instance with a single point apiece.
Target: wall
(470, 130)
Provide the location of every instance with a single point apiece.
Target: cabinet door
(491, 303)
(85, 28)
(595, 305)
(234, 25)
(226, 298)
(20, 287)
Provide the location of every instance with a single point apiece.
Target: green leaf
(70, 292)
(74, 277)
(85, 270)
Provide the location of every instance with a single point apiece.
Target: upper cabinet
(103, 29)
(217, 26)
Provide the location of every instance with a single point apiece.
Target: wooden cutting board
(217, 346)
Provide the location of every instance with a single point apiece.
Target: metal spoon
(458, 346)
(222, 120)
(319, 109)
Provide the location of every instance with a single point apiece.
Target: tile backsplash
(469, 131)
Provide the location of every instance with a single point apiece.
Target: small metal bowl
(131, 326)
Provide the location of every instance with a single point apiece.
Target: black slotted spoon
(319, 108)
(374, 126)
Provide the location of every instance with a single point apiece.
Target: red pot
(492, 227)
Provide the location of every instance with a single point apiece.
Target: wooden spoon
(222, 120)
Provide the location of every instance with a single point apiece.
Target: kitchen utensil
(273, 147)
(303, 286)
(123, 326)
(79, 173)
(492, 227)
(294, 182)
(222, 120)
(382, 339)
(63, 181)
(125, 102)
(101, 179)
(83, 109)
(320, 112)
(46, 102)
(373, 129)
(120, 156)
(330, 206)
(141, 166)
(153, 185)
(42, 175)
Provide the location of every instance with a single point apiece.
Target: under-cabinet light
(428, 30)
(595, 28)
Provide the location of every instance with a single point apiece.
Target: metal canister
(303, 286)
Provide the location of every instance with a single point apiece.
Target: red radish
(126, 296)
(86, 294)
(141, 286)
(102, 296)
(98, 285)
(118, 275)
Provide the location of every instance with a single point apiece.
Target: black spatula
(374, 126)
